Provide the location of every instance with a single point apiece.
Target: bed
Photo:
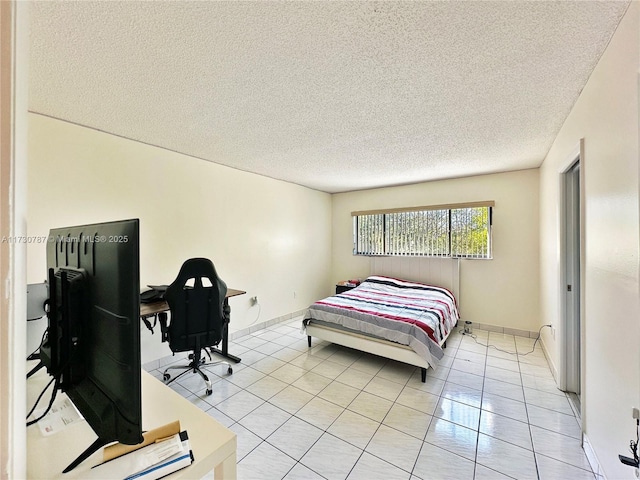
(404, 310)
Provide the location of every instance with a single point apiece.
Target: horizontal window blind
(460, 231)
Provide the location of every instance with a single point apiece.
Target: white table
(213, 445)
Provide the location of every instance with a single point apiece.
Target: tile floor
(332, 412)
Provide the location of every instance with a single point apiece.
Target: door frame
(568, 338)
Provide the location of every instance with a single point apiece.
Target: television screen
(92, 345)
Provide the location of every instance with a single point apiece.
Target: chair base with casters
(195, 366)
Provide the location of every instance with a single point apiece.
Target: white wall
(502, 291)
(14, 64)
(267, 237)
(606, 116)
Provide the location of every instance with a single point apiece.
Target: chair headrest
(198, 268)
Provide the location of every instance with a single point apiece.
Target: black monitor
(92, 345)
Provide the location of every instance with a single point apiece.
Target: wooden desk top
(151, 309)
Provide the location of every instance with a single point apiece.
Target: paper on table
(60, 415)
(169, 465)
(138, 460)
(113, 451)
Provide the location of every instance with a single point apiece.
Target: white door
(572, 279)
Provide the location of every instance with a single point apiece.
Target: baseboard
(505, 330)
(552, 365)
(264, 324)
(592, 458)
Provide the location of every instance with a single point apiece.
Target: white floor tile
(354, 378)
(265, 420)
(288, 373)
(320, 413)
(551, 469)
(505, 428)
(246, 441)
(370, 467)
(245, 377)
(339, 393)
(506, 458)
(329, 369)
(559, 447)
(345, 356)
(265, 461)
(384, 388)
(300, 472)
(370, 364)
(468, 366)
(504, 406)
(371, 406)
(266, 387)
(312, 383)
(239, 405)
(424, 401)
(504, 363)
(462, 394)
(458, 413)
(333, 412)
(221, 391)
(434, 463)
(291, 399)
(295, 437)
(453, 438)
(331, 457)
(554, 421)
(396, 371)
(466, 379)
(484, 473)
(395, 447)
(548, 400)
(354, 428)
(268, 364)
(503, 375)
(408, 420)
(504, 389)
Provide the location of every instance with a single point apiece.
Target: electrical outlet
(254, 300)
(635, 413)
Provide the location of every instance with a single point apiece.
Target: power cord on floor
(475, 338)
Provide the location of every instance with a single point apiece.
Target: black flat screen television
(92, 345)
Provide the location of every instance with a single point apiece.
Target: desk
(162, 307)
(213, 445)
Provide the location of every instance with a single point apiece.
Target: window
(459, 231)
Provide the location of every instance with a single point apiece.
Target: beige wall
(606, 116)
(502, 291)
(267, 237)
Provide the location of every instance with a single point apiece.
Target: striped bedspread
(414, 314)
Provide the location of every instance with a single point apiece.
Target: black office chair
(196, 302)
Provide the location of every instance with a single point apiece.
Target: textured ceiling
(333, 95)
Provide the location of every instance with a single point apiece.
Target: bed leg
(444, 345)
(309, 340)
(423, 374)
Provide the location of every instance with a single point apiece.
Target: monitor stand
(95, 446)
